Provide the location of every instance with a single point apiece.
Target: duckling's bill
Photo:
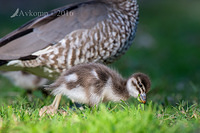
(142, 98)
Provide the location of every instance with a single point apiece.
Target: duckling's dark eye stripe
(140, 82)
(142, 87)
(136, 86)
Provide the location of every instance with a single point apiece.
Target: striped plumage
(94, 83)
(98, 31)
(103, 42)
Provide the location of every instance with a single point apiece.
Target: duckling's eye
(140, 85)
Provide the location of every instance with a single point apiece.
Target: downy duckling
(24, 80)
(92, 83)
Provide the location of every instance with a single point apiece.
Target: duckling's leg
(51, 109)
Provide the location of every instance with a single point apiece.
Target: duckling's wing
(50, 28)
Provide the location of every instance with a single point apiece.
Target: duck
(98, 31)
(94, 83)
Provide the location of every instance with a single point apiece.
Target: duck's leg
(56, 101)
(51, 109)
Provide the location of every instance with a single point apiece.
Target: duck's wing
(49, 29)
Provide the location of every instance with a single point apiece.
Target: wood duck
(90, 31)
(94, 83)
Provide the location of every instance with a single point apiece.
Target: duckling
(94, 83)
(26, 81)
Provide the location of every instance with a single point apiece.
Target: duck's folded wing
(49, 29)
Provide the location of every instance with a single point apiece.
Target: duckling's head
(138, 85)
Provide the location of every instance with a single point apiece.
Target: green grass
(22, 116)
(166, 47)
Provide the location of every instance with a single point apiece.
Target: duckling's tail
(49, 87)
(53, 88)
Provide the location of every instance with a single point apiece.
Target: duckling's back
(88, 83)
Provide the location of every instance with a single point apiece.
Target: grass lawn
(167, 48)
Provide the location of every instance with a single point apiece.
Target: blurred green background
(167, 46)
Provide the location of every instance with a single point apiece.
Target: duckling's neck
(121, 89)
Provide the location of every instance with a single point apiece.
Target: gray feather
(47, 30)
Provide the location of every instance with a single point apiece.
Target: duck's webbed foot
(51, 109)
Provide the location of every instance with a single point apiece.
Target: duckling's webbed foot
(51, 109)
(48, 110)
